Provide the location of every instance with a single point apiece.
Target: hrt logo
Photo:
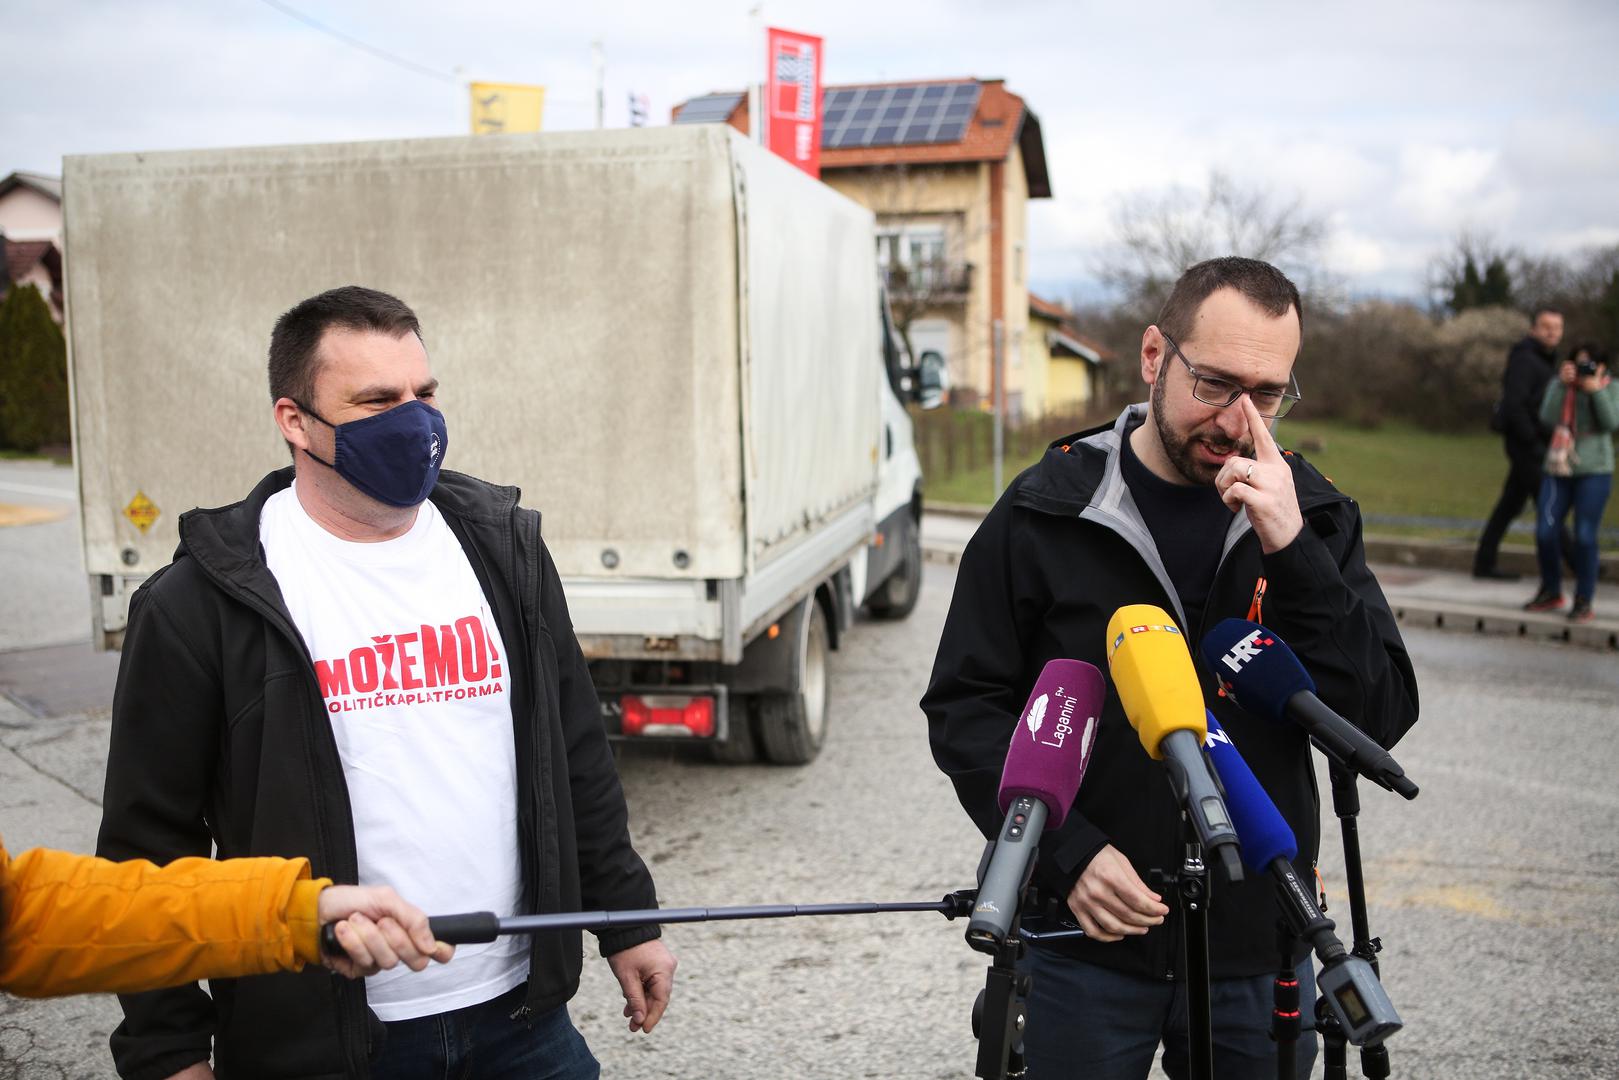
(1245, 650)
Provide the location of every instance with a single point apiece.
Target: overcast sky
(1402, 123)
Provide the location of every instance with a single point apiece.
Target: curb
(1488, 620)
(1398, 550)
(1437, 615)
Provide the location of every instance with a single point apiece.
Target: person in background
(76, 924)
(1530, 366)
(1581, 407)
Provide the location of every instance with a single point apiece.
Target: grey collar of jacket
(1113, 507)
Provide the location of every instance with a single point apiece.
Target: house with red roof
(948, 166)
(31, 235)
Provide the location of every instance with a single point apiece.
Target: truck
(673, 342)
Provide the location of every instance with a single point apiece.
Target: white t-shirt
(418, 692)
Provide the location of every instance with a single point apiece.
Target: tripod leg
(1284, 1017)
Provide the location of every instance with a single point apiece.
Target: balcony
(938, 282)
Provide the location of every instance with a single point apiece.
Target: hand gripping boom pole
(479, 926)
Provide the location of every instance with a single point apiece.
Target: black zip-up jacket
(220, 736)
(1530, 366)
(1061, 551)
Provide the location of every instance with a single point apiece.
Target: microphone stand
(1374, 1060)
(1284, 1015)
(1191, 885)
(1000, 1014)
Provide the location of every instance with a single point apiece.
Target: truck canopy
(668, 338)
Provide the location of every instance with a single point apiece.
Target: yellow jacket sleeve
(73, 924)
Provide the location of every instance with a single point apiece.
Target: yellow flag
(505, 108)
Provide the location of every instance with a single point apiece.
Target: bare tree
(1159, 234)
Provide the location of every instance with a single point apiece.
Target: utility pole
(756, 115)
(999, 386)
(599, 61)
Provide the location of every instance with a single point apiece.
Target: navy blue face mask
(394, 456)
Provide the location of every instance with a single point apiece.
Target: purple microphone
(1044, 765)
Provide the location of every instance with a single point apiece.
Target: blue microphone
(1348, 983)
(1259, 672)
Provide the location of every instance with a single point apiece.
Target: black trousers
(1522, 486)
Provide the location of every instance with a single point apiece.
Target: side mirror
(933, 380)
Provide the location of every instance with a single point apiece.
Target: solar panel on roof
(855, 116)
(708, 109)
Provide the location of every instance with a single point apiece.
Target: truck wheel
(896, 597)
(792, 727)
(741, 746)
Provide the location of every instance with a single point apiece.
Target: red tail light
(668, 714)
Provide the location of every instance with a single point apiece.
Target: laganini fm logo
(1035, 719)
(1037, 715)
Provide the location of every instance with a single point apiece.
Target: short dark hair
(1544, 309)
(296, 337)
(1265, 286)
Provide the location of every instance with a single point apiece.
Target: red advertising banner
(793, 98)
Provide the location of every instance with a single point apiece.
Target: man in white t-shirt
(370, 661)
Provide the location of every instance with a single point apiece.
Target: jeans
(1092, 1022)
(484, 1042)
(1586, 495)
(1523, 483)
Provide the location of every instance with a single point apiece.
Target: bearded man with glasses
(1185, 502)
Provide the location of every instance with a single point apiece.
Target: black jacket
(1530, 366)
(219, 736)
(1061, 551)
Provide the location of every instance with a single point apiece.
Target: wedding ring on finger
(1248, 476)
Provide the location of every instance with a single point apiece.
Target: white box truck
(673, 342)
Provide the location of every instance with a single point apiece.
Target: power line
(354, 42)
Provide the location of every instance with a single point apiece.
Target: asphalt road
(44, 595)
(1496, 893)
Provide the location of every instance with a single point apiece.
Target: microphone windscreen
(1261, 829)
(1152, 670)
(1052, 744)
(1255, 667)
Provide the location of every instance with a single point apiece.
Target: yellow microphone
(1152, 670)
(1157, 685)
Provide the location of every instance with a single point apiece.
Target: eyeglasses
(1220, 392)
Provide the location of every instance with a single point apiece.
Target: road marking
(31, 489)
(11, 514)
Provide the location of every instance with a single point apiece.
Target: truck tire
(792, 727)
(896, 598)
(741, 746)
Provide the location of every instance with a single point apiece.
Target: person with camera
(1581, 406)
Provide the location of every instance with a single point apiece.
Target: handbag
(1560, 455)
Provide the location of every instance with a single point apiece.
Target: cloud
(1397, 141)
(1449, 187)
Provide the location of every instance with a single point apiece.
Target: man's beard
(1181, 452)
